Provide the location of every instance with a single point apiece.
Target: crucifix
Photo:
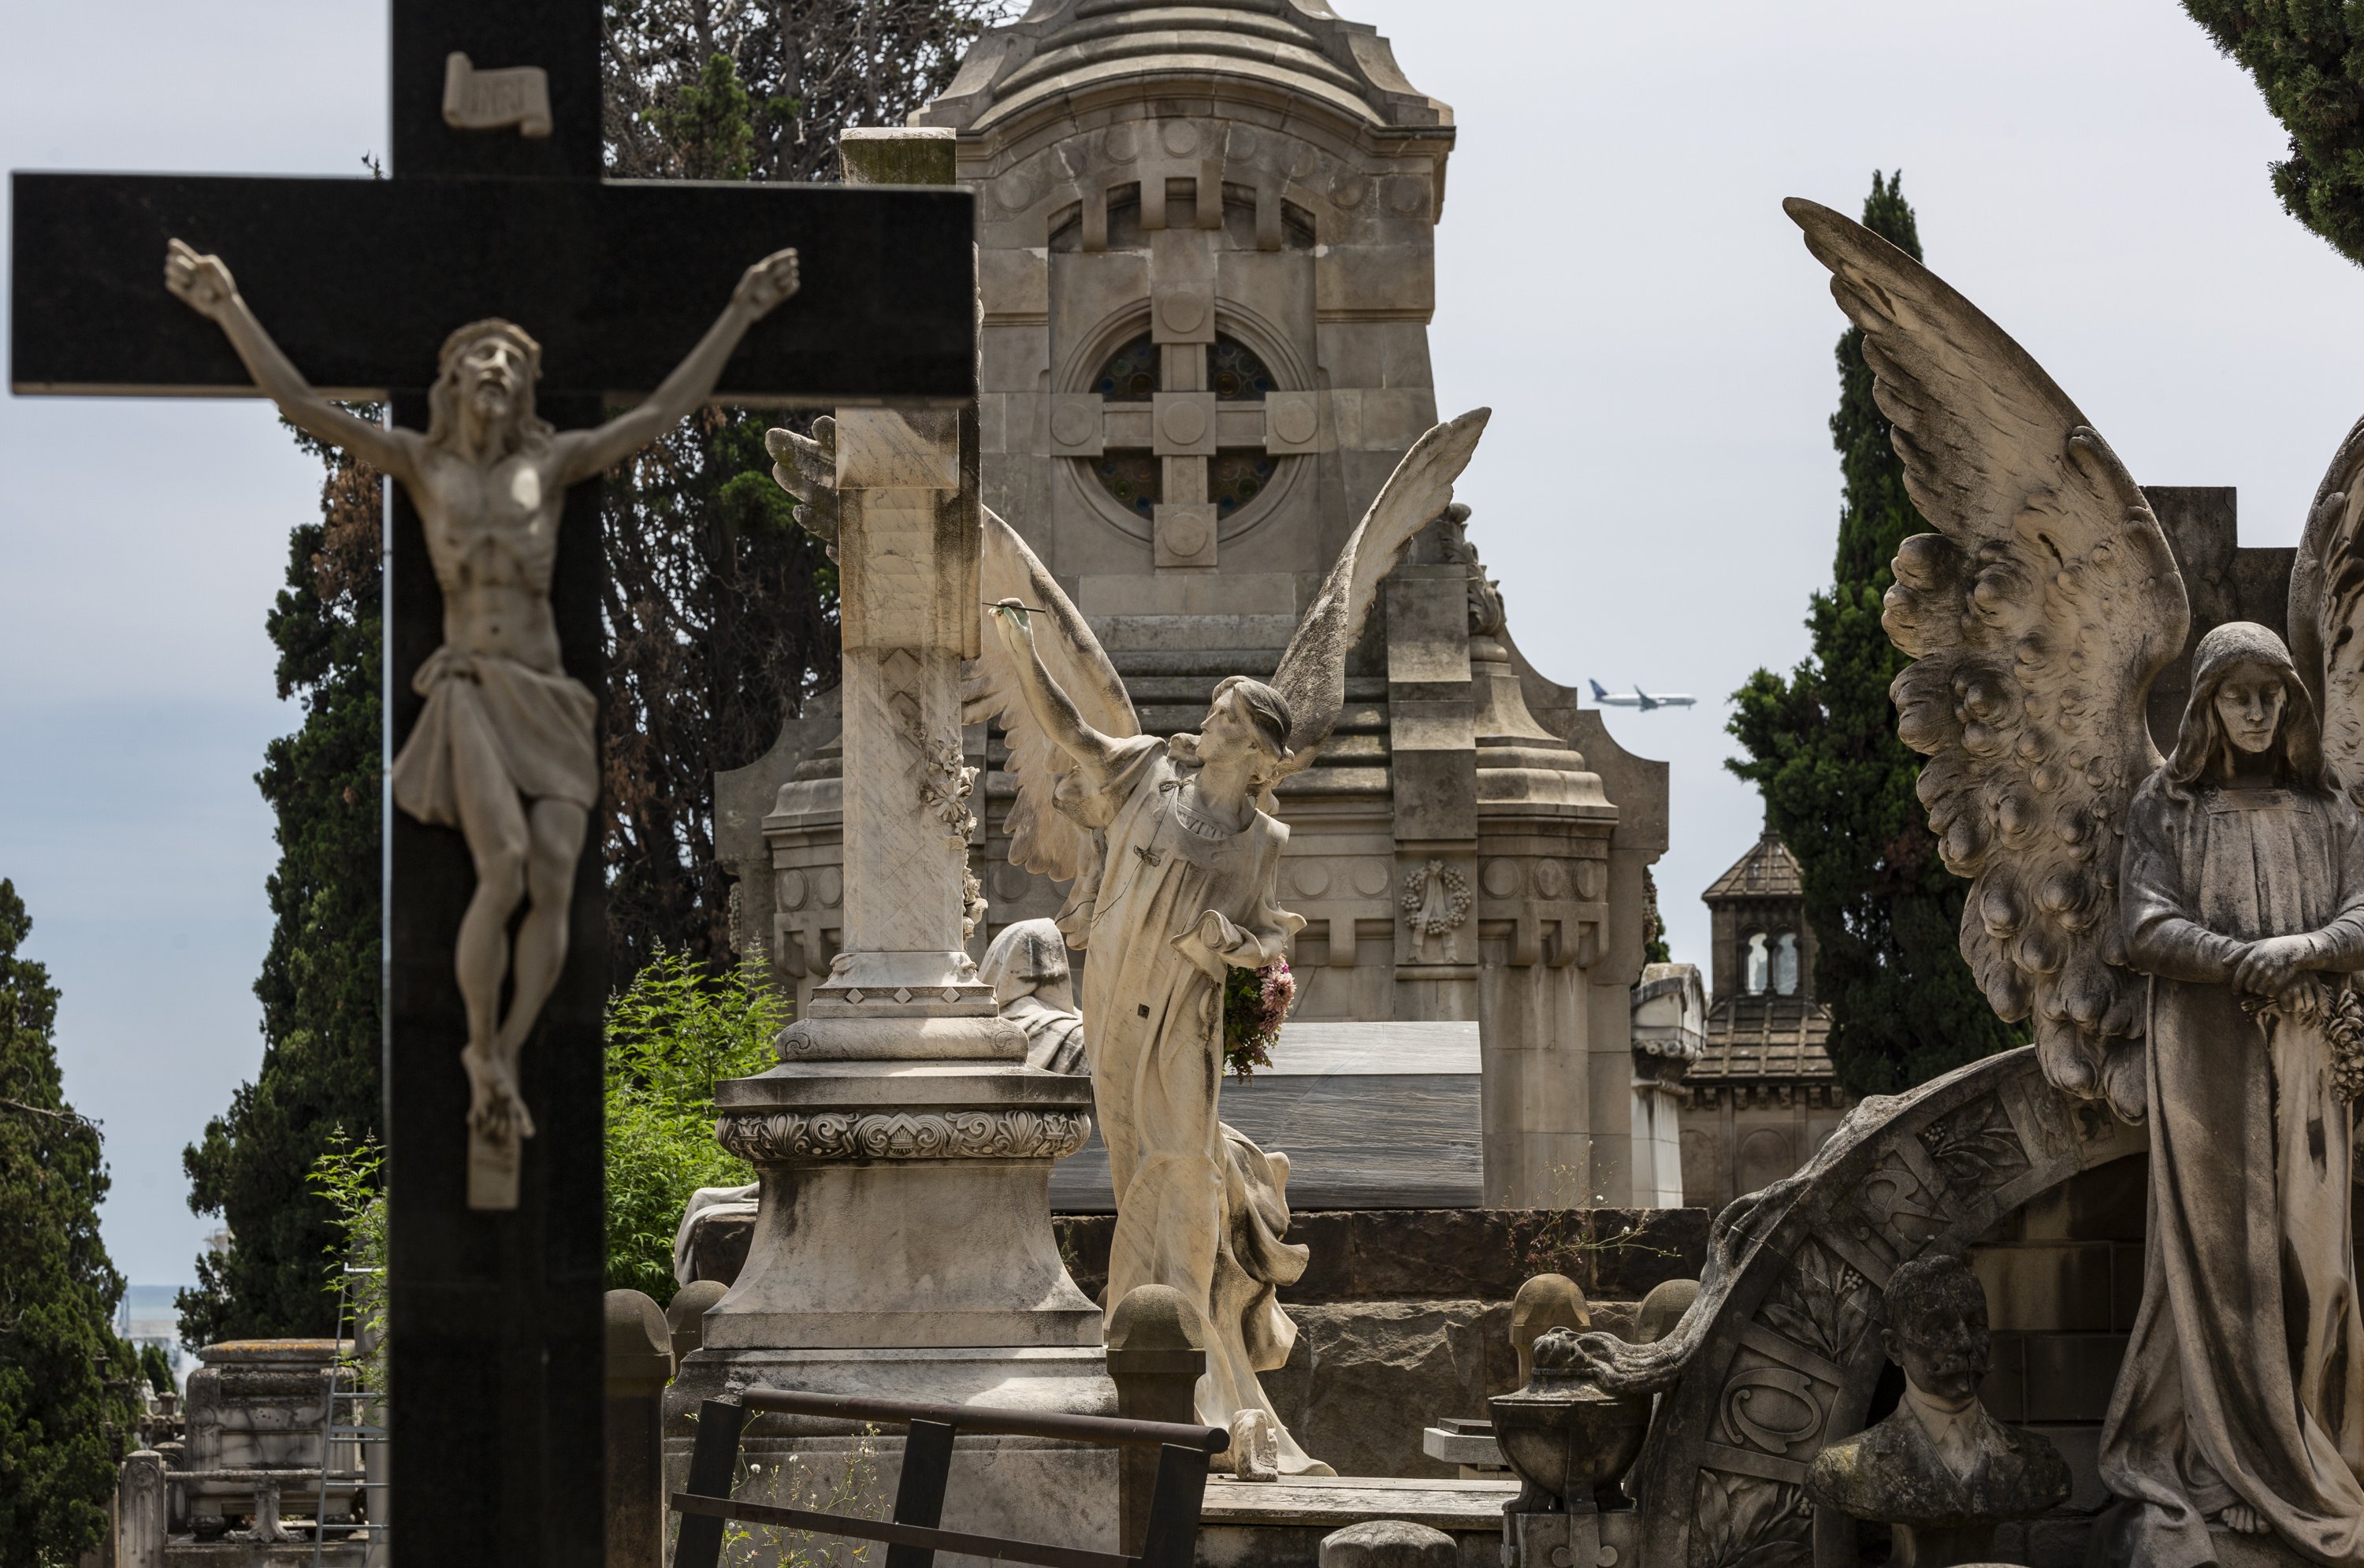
(571, 291)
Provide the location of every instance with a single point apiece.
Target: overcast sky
(1657, 493)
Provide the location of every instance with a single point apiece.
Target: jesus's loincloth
(543, 728)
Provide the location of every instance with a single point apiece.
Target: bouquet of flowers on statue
(2345, 1027)
(1256, 1002)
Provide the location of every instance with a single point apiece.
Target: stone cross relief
(505, 750)
(1181, 420)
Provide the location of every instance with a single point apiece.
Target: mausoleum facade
(1207, 266)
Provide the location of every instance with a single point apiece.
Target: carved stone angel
(2180, 932)
(1171, 851)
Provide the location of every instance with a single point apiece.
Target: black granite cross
(495, 1317)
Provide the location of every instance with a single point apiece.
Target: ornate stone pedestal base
(903, 1250)
(904, 1204)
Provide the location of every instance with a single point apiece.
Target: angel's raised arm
(1055, 711)
(761, 288)
(205, 285)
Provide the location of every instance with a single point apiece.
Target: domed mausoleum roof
(1062, 52)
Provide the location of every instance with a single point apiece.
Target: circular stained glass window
(1137, 479)
(1131, 374)
(1238, 376)
(1238, 474)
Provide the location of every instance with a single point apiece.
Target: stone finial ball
(686, 1314)
(1389, 1543)
(1663, 1309)
(640, 1348)
(1156, 1316)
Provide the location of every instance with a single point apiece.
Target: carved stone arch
(1781, 1354)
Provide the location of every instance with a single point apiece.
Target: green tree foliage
(1654, 924)
(803, 69)
(1838, 785)
(721, 613)
(2308, 59)
(722, 616)
(155, 1368)
(351, 1178)
(672, 1034)
(318, 1083)
(60, 1420)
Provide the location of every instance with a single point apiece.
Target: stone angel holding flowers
(2180, 932)
(1171, 847)
(506, 749)
(1172, 850)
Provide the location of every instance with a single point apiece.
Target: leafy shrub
(672, 1035)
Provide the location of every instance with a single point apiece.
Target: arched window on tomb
(1785, 964)
(1756, 963)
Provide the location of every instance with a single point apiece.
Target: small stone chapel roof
(1768, 871)
(1759, 1039)
(1766, 1038)
(1062, 50)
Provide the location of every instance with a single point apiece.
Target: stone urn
(1562, 1434)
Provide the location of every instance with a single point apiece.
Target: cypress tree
(1838, 784)
(2308, 60)
(63, 1410)
(318, 1083)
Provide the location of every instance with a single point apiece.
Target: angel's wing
(2036, 616)
(2326, 610)
(1313, 673)
(1041, 838)
(806, 467)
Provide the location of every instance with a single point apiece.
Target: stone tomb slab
(1250, 1524)
(1371, 1114)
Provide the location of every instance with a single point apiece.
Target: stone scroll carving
(506, 750)
(1781, 1351)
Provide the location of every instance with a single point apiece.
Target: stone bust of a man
(1940, 1468)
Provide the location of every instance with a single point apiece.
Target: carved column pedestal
(903, 1245)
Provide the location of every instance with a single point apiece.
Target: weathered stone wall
(1403, 1317)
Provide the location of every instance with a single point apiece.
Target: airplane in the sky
(1644, 700)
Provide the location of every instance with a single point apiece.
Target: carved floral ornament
(774, 1138)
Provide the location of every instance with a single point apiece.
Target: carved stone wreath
(1451, 906)
(902, 1135)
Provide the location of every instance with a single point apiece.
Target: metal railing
(1169, 1531)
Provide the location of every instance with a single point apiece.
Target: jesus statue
(506, 749)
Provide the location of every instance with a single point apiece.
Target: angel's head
(2246, 702)
(1247, 723)
(485, 375)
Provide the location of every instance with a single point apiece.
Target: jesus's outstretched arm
(761, 288)
(205, 285)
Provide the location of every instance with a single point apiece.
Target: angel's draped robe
(1154, 1030)
(2244, 1378)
